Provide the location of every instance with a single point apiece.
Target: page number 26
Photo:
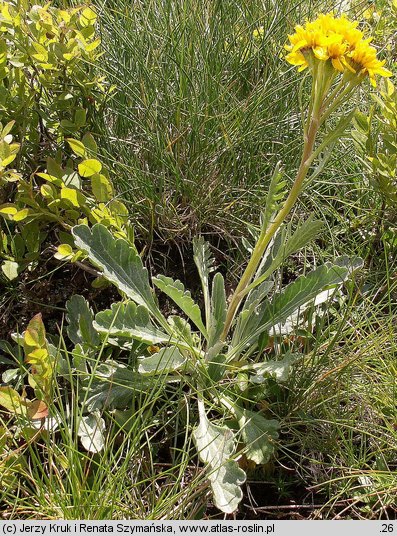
(387, 527)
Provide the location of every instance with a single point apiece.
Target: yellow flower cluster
(338, 40)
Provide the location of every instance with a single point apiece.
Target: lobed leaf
(181, 330)
(80, 317)
(280, 369)
(284, 246)
(120, 262)
(113, 385)
(297, 294)
(216, 445)
(258, 434)
(204, 263)
(130, 321)
(250, 316)
(165, 360)
(176, 291)
(306, 288)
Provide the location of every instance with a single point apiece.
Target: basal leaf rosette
(338, 42)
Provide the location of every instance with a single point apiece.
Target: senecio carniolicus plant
(218, 354)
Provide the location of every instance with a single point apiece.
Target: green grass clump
(202, 109)
(145, 469)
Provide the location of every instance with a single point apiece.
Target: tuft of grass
(202, 109)
(145, 470)
(341, 425)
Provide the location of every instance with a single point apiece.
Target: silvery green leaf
(279, 370)
(181, 329)
(345, 266)
(113, 385)
(127, 320)
(216, 365)
(335, 133)
(216, 445)
(304, 289)
(256, 296)
(10, 374)
(80, 317)
(204, 263)
(166, 360)
(218, 310)
(91, 432)
(251, 313)
(276, 192)
(120, 263)
(176, 291)
(80, 357)
(50, 423)
(285, 245)
(258, 434)
(350, 263)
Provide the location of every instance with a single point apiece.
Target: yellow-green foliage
(49, 90)
(64, 194)
(41, 374)
(47, 80)
(376, 137)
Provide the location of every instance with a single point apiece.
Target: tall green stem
(267, 234)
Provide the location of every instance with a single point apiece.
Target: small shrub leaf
(12, 401)
(101, 188)
(89, 167)
(39, 358)
(77, 147)
(10, 269)
(64, 252)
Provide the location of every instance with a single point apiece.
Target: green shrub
(48, 80)
(49, 91)
(77, 192)
(375, 137)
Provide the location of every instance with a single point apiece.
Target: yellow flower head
(364, 61)
(337, 40)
